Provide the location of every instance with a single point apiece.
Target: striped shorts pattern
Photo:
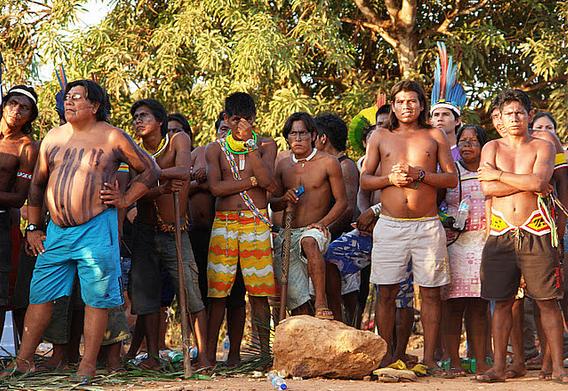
(237, 236)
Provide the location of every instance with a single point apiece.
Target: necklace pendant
(303, 164)
(241, 162)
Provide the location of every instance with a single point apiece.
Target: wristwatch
(32, 228)
(421, 176)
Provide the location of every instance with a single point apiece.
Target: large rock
(309, 347)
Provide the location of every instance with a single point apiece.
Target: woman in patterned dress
(463, 294)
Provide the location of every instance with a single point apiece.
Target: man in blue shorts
(76, 176)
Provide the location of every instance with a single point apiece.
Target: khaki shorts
(398, 241)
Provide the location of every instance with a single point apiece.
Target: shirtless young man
(154, 245)
(319, 174)
(18, 154)
(407, 155)
(332, 139)
(76, 175)
(512, 171)
(239, 172)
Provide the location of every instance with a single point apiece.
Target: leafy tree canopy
(314, 56)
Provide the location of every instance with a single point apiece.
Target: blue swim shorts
(93, 250)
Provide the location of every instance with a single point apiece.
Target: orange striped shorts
(239, 237)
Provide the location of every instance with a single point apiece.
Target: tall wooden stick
(286, 246)
(187, 371)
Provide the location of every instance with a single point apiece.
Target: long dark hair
(409, 85)
(479, 132)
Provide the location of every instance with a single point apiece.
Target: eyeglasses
(74, 97)
(469, 143)
(142, 117)
(299, 135)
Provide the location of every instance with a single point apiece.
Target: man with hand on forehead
(18, 153)
(75, 176)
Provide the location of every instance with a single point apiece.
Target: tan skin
(60, 154)
(350, 175)
(444, 119)
(18, 152)
(512, 171)
(476, 308)
(176, 157)
(322, 179)
(544, 129)
(398, 156)
(260, 165)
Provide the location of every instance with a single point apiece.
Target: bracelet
(376, 209)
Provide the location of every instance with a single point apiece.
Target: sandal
(437, 372)
(514, 374)
(454, 372)
(324, 313)
(489, 377)
(81, 380)
(562, 379)
(545, 375)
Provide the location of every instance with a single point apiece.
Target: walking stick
(286, 245)
(187, 371)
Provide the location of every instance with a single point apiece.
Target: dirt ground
(528, 383)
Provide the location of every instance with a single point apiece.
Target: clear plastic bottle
(277, 382)
(463, 213)
(226, 348)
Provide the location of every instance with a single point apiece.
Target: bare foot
(387, 360)
(17, 367)
(233, 362)
(150, 363)
(481, 367)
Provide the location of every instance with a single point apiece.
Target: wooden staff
(187, 371)
(286, 246)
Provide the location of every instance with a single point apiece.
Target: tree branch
(407, 14)
(537, 86)
(367, 11)
(392, 9)
(456, 11)
(376, 28)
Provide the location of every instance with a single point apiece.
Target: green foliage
(291, 55)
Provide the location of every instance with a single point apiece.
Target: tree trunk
(407, 54)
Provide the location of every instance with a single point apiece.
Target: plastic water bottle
(463, 212)
(193, 352)
(226, 348)
(277, 382)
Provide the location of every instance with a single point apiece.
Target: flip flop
(545, 375)
(514, 374)
(454, 372)
(81, 380)
(562, 379)
(438, 372)
(488, 378)
(324, 313)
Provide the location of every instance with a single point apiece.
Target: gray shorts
(398, 241)
(298, 277)
(150, 250)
